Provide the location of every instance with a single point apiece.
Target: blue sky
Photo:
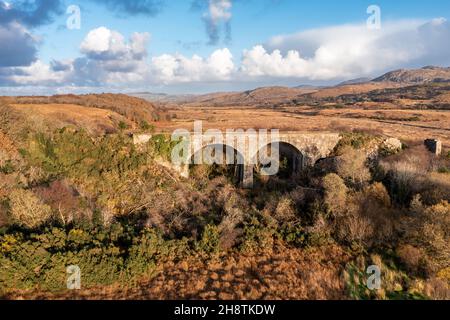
(245, 54)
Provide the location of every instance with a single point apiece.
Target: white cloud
(37, 73)
(350, 51)
(336, 53)
(218, 66)
(258, 62)
(108, 60)
(105, 44)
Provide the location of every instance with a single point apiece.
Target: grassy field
(408, 125)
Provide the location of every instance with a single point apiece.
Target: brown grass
(135, 109)
(94, 120)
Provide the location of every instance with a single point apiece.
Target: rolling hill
(416, 76)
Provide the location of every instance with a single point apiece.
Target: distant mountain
(354, 81)
(160, 97)
(265, 96)
(278, 95)
(309, 87)
(424, 75)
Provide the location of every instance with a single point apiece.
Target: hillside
(423, 75)
(266, 96)
(98, 114)
(134, 109)
(278, 95)
(358, 88)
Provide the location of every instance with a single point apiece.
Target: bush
(110, 169)
(234, 216)
(411, 257)
(145, 126)
(162, 145)
(351, 165)
(433, 233)
(356, 140)
(210, 240)
(123, 125)
(285, 211)
(28, 210)
(259, 234)
(407, 174)
(335, 196)
(368, 218)
(437, 289)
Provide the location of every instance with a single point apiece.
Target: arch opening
(290, 161)
(229, 163)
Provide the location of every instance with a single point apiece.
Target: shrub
(367, 219)
(411, 257)
(209, 242)
(335, 196)
(123, 125)
(259, 234)
(233, 217)
(351, 165)
(429, 229)
(63, 199)
(354, 228)
(162, 145)
(285, 211)
(144, 125)
(395, 284)
(434, 232)
(407, 174)
(118, 255)
(28, 210)
(356, 140)
(437, 289)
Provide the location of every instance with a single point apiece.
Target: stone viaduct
(299, 149)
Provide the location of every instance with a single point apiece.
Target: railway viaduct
(245, 149)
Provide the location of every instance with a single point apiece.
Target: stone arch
(294, 157)
(228, 152)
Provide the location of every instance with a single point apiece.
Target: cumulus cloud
(105, 44)
(350, 51)
(108, 59)
(37, 73)
(169, 69)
